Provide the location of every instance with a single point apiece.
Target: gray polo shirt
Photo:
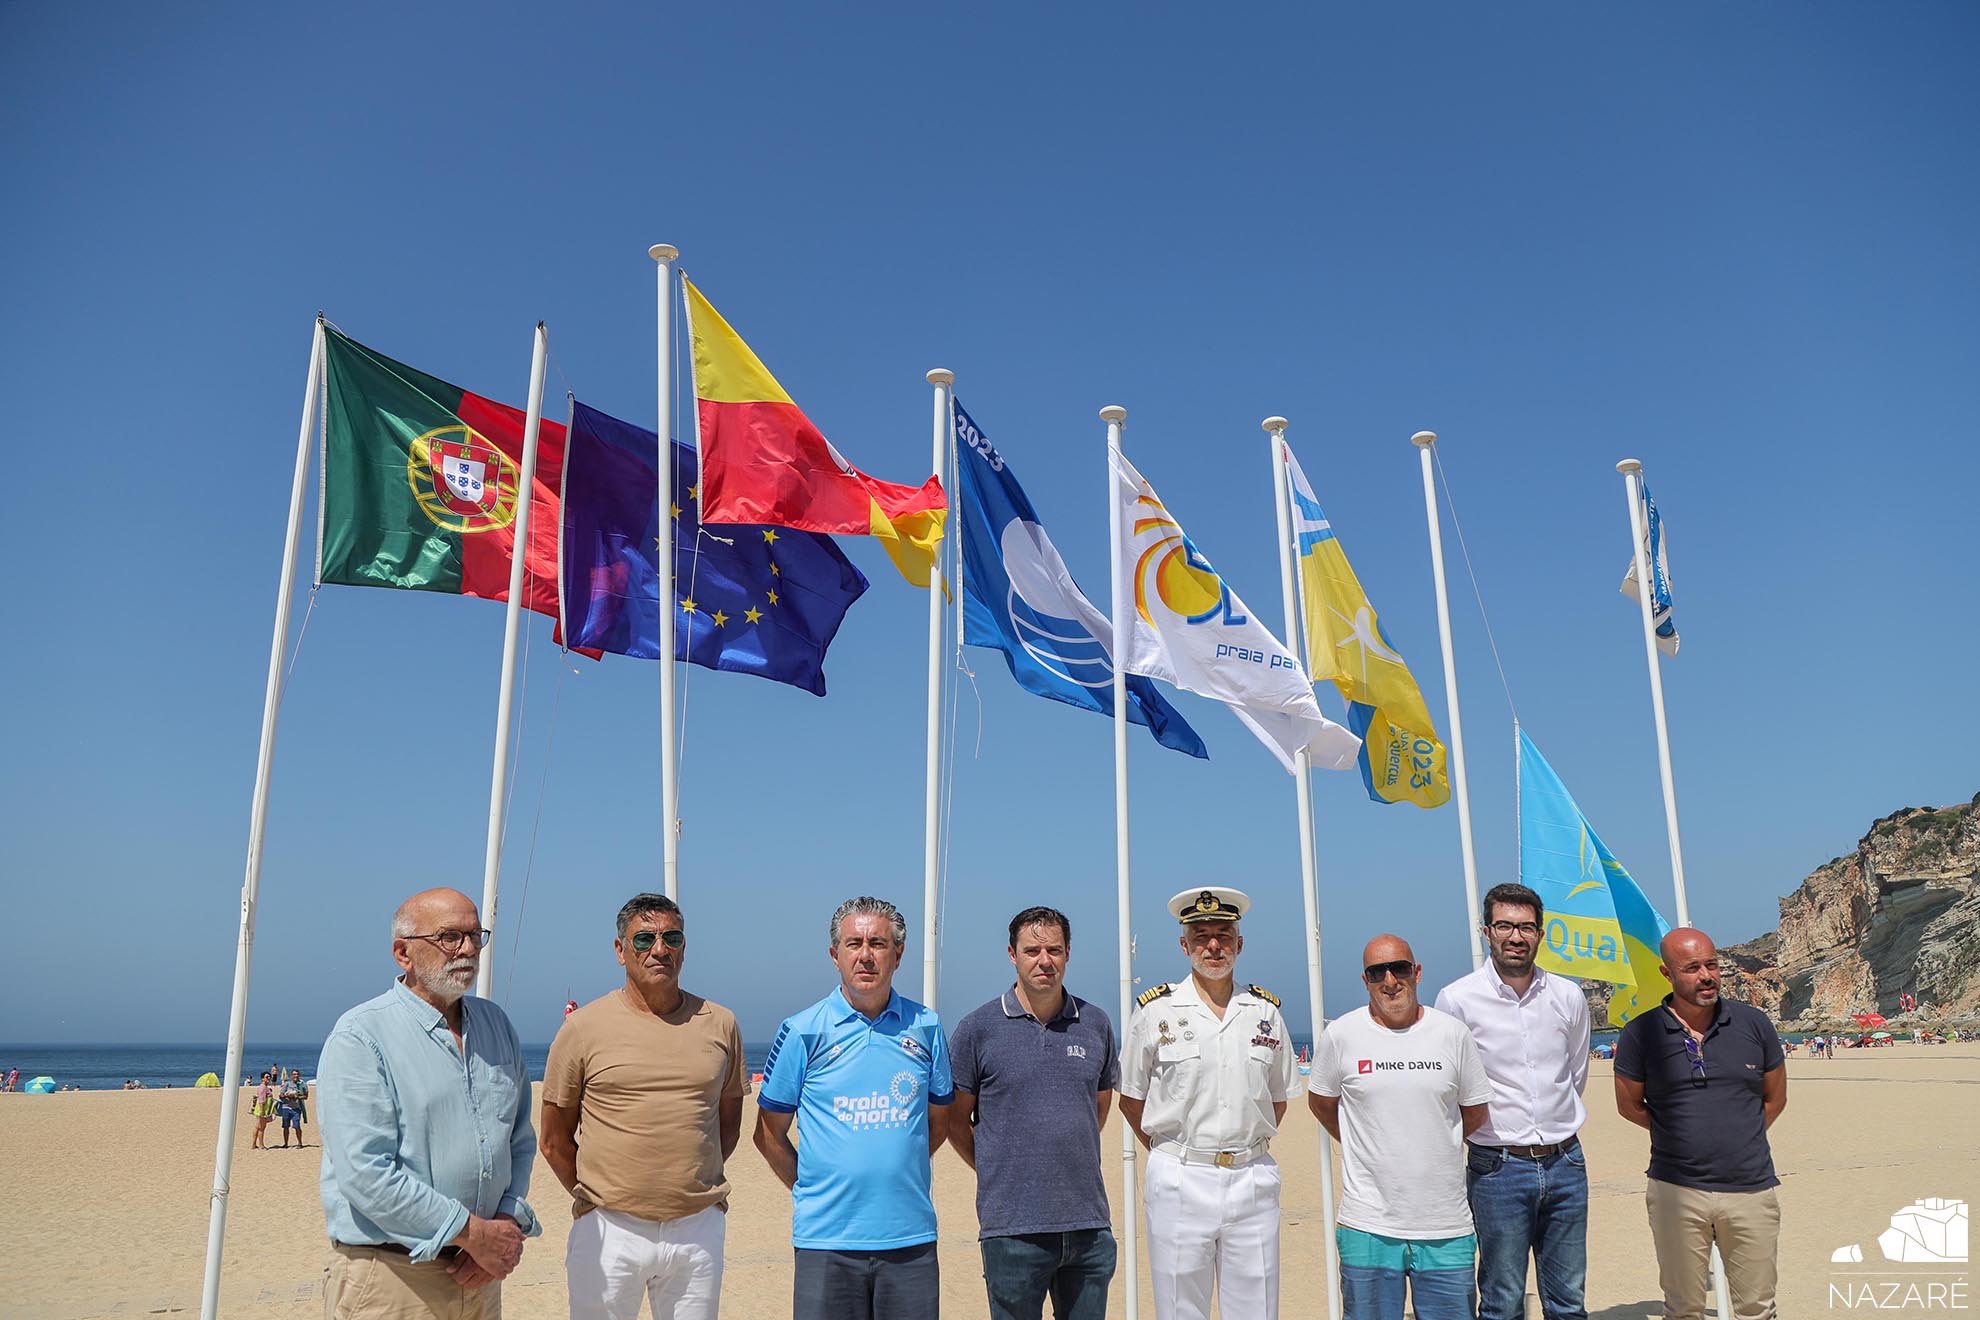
(1037, 1086)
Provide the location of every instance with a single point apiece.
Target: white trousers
(1213, 1230)
(613, 1260)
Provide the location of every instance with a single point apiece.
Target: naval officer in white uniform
(1205, 1073)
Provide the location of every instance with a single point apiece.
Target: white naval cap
(1214, 903)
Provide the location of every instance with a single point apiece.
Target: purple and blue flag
(749, 599)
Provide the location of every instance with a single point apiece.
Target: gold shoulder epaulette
(1147, 997)
(1264, 994)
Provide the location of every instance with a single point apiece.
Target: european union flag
(752, 600)
(1019, 597)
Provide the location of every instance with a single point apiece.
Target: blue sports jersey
(861, 1092)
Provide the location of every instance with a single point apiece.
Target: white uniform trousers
(1213, 1230)
(615, 1260)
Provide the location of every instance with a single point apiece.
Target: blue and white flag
(1656, 552)
(1019, 598)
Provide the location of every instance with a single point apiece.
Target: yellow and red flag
(762, 461)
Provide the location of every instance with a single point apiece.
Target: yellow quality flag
(1402, 759)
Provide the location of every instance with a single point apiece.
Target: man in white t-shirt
(1401, 1086)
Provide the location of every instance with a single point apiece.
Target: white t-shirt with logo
(1402, 1138)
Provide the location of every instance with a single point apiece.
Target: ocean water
(108, 1067)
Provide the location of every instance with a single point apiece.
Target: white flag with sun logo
(1187, 627)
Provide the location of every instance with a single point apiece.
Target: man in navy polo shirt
(1035, 1074)
(1708, 1077)
(864, 1075)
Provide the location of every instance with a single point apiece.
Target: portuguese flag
(419, 484)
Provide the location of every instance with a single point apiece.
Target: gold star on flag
(687, 605)
(769, 536)
(778, 571)
(721, 619)
(773, 596)
(677, 516)
(694, 492)
(753, 614)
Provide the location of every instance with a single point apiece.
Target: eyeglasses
(643, 941)
(455, 940)
(1376, 973)
(1505, 928)
(1696, 1054)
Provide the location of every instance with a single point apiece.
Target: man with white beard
(423, 1103)
(1205, 1074)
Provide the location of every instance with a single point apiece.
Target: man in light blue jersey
(864, 1076)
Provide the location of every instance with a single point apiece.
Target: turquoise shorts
(1439, 1273)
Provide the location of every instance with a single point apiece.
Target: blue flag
(1598, 923)
(752, 600)
(1019, 598)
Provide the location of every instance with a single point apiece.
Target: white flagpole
(271, 709)
(1115, 415)
(1309, 871)
(498, 778)
(1632, 471)
(931, 851)
(1424, 440)
(670, 788)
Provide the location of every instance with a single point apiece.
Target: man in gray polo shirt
(1035, 1071)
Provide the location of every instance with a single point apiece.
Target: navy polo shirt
(1037, 1087)
(1707, 1132)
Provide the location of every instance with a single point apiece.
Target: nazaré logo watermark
(1923, 1237)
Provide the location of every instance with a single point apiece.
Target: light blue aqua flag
(1019, 598)
(1599, 926)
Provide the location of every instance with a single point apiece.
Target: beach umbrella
(40, 1086)
(208, 1079)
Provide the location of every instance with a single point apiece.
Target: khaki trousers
(365, 1283)
(1686, 1222)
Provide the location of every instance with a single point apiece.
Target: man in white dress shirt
(1206, 1069)
(1526, 1176)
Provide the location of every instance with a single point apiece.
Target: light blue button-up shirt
(417, 1132)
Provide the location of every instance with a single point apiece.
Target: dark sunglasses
(644, 941)
(1696, 1054)
(1376, 973)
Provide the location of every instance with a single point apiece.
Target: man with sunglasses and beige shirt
(642, 1105)
(1707, 1076)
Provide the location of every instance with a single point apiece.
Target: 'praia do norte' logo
(462, 481)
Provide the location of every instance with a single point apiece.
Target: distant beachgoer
(302, 1096)
(427, 1143)
(13, 1078)
(263, 1110)
(288, 1104)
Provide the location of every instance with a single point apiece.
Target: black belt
(1535, 1152)
(446, 1252)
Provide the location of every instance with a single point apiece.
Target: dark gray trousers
(902, 1284)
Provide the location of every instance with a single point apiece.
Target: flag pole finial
(941, 376)
(1629, 465)
(663, 252)
(1113, 412)
(1275, 425)
(1423, 439)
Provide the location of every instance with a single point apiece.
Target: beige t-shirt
(648, 1092)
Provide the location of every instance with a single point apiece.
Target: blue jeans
(1532, 1206)
(1073, 1269)
(1378, 1271)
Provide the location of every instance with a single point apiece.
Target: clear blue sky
(1737, 242)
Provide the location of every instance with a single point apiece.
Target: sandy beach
(106, 1198)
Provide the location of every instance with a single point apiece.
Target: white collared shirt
(1535, 1048)
(1209, 1084)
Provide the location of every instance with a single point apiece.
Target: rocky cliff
(1900, 913)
